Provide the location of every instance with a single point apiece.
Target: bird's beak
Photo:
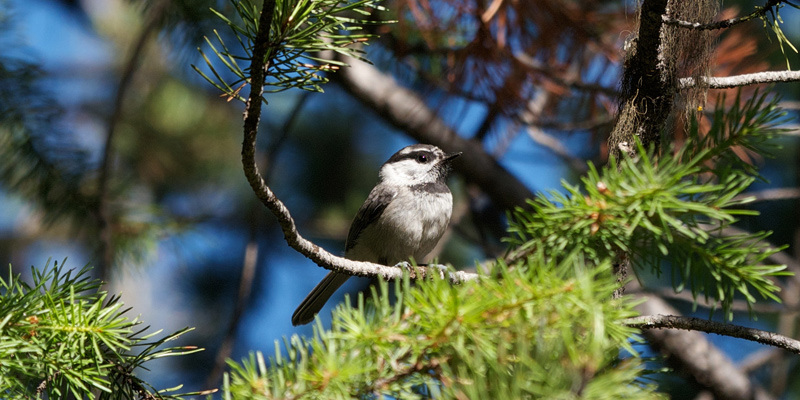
(448, 158)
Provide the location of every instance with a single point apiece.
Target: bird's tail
(313, 303)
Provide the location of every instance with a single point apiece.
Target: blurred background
(164, 212)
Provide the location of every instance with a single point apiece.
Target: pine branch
(708, 326)
(727, 82)
(759, 12)
(258, 67)
(694, 354)
(497, 339)
(251, 250)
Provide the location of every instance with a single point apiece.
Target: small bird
(404, 216)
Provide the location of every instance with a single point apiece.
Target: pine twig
(252, 115)
(721, 24)
(693, 353)
(703, 325)
(251, 251)
(727, 82)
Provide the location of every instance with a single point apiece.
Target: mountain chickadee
(404, 216)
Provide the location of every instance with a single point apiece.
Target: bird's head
(417, 164)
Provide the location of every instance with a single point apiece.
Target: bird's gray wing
(371, 210)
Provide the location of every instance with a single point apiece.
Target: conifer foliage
(540, 329)
(61, 336)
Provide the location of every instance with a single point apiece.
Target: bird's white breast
(411, 226)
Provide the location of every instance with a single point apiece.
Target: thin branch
(530, 116)
(693, 353)
(245, 287)
(252, 115)
(704, 325)
(699, 301)
(272, 152)
(251, 250)
(758, 359)
(587, 125)
(759, 12)
(790, 105)
(727, 82)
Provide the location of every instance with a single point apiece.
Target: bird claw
(443, 269)
(404, 265)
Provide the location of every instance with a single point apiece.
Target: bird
(403, 217)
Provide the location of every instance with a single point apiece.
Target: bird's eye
(422, 158)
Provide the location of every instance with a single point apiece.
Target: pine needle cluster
(543, 329)
(303, 39)
(670, 211)
(62, 336)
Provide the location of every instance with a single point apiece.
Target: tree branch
(251, 249)
(708, 326)
(728, 82)
(692, 352)
(252, 114)
(721, 24)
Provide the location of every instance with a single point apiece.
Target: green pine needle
(671, 212)
(303, 37)
(61, 334)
